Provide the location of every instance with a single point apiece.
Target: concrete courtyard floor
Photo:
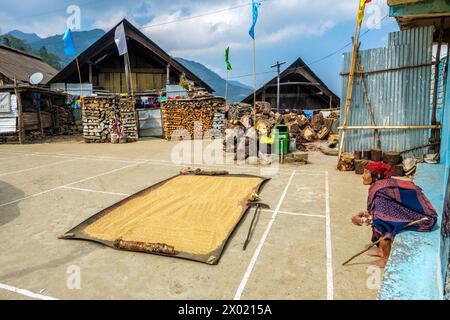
(296, 250)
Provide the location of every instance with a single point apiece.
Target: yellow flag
(362, 7)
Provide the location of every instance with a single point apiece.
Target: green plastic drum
(281, 135)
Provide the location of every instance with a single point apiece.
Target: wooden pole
(91, 80)
(368, 103)
(381, 239)
(226, 88)
(436, 71)
(39, 116)
(351, 80)
(126, 60)
(20, 113)
(434, 133)
(254, 96)
(79, 77)
(131, 75)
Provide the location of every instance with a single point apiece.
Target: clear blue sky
(201, 30)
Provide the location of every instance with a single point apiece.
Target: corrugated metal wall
(8, 120)
(398, 97)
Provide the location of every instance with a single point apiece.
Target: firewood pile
(192, 118)
(237, 110)
(360, 158)
(302, 129)
(67, 123)
(98, 114)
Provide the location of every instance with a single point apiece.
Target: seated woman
(391, 205)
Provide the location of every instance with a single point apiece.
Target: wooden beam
(293, 95)
(405, 127)
(420, 8)
(41, 126)
(20, 113)
(90, 73)
(135, 70)
(168, 74)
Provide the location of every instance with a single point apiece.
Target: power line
(313, 62)
(199, 15)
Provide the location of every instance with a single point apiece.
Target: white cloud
(197, 33)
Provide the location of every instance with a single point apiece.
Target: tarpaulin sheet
(187, 216)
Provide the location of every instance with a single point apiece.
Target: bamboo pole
(381, 239)
(254, 96)
(389, 127)
(351, 79)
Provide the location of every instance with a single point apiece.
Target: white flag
(121, 39)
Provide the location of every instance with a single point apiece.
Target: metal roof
(97, 50)
(301, 68)
(21, 65)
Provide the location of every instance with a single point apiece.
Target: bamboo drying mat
(187, 216)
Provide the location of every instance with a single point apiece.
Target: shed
(20, 65)
(300, 88)
(152, 69)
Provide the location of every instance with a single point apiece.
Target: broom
(381, 239)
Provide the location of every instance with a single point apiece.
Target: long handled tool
(381, 239)
(258, 206)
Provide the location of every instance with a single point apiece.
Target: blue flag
(69, 45)
(255, 6)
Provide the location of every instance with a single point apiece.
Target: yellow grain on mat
(192, 213)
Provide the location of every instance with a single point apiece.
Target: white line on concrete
(97, 191)
(13, 157)
(73, 156)
(298, 214)
(250, 267)
(68, 185)
(162, 162)
(38, 167)
(330, 286)
(25, 292)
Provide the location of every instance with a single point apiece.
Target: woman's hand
(362, 218)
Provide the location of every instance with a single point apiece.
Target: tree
(49, 57)
(13, 42)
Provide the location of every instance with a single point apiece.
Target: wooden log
(359, 165)
(376, 155)
(398, 170)
(392, 158)
(346, 162)
(367, 154)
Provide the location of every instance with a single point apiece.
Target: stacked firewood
(218, 121)
(98, 114)
(66, 122)
(192, 118)
(240, 133)
(237, 110)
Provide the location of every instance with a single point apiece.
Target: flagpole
(81, 82)
(226, 88)
(254, 95)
